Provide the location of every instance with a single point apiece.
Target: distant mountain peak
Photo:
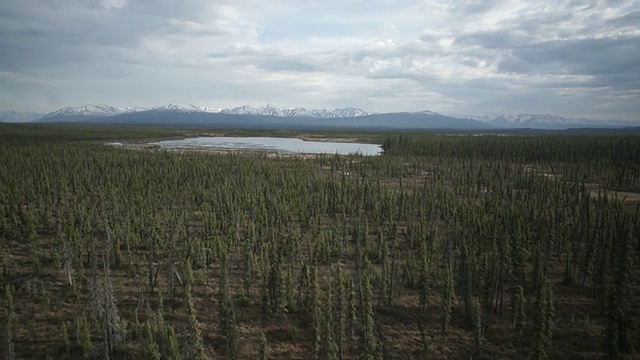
(524, 120)
(18, 116)
(92, 112)
(427, 112)
(95, 110)
(241, 110)
(267, 116)
(84, 111)
(544, 121)
(185, 108)
(272, 110)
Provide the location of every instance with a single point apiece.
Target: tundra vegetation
(521, 246)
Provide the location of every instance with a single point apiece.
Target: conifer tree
(227, 313)
(369, 339)
(173, 351)
(330, 347)
(9, 347)
(448, 297)
(316, 314)
(341, 312)
(518, 318)
(263, 355)
(424, 276)
(84, 336)
(543, 327)
(477, 323)
(152, 350)
(196, 342)
(64, 338)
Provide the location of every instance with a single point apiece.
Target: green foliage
(8, 345)
(448, 297)
(518, 310)
(263, 350)
(173, 351)
(543, 323)
(369, 342)
(340, 246)
(478, 326)
(152, 350)
(64, 337)
(84, 336)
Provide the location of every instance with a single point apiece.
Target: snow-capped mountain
(85, 110)
(272, 110)
(522, 119)
(18, 117)
(241, 110)
(350, 112)
(340, 115)
(298, 112)
(266, 117)
(323, 113)
(543, 121)
(79, 113)
(185, 108)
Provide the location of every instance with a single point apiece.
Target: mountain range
(18, 117)
(81, 112)
(273, 117)
(546, 121)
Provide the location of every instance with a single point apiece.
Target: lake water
(271, 144)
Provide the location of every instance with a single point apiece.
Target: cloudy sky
(572, 58)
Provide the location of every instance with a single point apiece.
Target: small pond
(272, 144)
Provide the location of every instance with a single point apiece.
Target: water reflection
(284, 145)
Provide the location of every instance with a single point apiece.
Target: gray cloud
(577, 58)
(472, 7)
(496, 39)
(280, 64)
(611, 62)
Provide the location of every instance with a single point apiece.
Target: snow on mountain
(85, 110)
(272, 110)
(96, 111)
(324, 113)
(541, 121)
(527, 119)
(18, 117)
(297, 112)
(185, 108)
(242, 110)
(130, 109)
(350, 112)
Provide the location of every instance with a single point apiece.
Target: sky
(569, 58)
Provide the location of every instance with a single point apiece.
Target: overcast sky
(571, 58)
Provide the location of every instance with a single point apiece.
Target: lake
(272, 144)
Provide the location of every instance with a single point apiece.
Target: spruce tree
(543, 327)
(369, 339)
(448, 297)
(518, 318)
(263, 351)
(9, 347)
(477, 324)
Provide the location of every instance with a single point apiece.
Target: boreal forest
(517, 245)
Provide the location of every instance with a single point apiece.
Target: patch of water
(283, 145)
